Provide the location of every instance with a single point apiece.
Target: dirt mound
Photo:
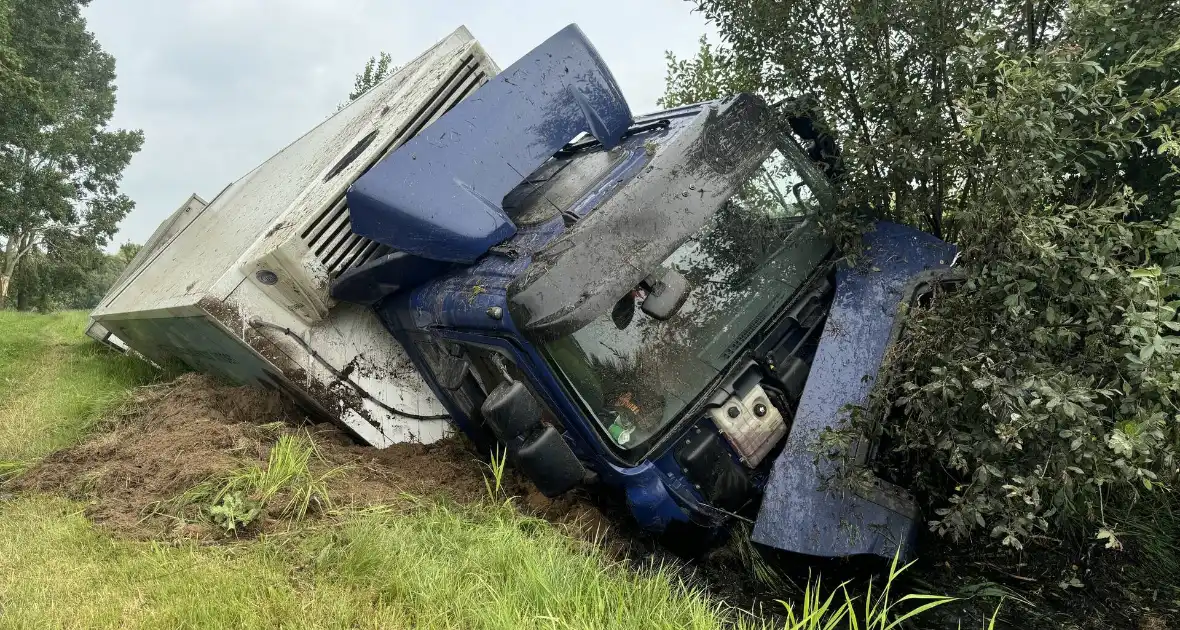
(171, 438)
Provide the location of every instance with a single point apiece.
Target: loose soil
(172, 437)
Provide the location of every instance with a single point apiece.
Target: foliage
(377, 69)
(60, 164)
(127, 252)
(1039, 399)
(12, 81)
(1048, 385)
(235, 511)
(241, 496)
(66, 275)
(710, 75)
(889, 80)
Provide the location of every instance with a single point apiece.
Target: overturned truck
(641, 302)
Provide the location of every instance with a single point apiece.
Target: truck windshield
(636, 374)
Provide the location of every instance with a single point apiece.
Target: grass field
(54, 383)
(428, 565)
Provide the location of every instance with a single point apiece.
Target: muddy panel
(208, 348)
(802, 510)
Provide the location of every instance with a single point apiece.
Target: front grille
(329, 235)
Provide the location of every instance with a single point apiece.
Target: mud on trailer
(640, 302)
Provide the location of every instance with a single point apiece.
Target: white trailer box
(171, 226)
(239, 287)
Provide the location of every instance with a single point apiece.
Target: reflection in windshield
(637, 375)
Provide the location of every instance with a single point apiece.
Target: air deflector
(439, 195)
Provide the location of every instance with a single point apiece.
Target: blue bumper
(798, 512)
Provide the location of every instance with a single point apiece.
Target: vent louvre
(329, 235)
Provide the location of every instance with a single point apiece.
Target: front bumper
(801, 510)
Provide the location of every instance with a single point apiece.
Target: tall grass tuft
(493, 480)
(10, 470)
(239, 497)
(752, 560)
(839, 609)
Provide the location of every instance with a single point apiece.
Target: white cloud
(218, 86)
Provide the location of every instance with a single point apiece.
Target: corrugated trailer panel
(241, 288)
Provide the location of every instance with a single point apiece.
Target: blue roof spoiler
(439, 195)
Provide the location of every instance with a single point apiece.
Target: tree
(127, 252)
(1039, 400)
(60, 165)
(711, 74)
(377, 69)
(67, 274)
(11, 78)
(890, 78)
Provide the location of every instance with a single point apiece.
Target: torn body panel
(799, 513)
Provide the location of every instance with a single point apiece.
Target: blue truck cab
(643, 302)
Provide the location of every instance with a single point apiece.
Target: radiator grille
(329, 235)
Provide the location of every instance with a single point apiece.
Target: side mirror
(510, 410)
(537, 450)
(666, 291)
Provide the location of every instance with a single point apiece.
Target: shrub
(1046, 386)
(1039, 399)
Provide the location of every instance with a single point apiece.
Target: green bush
(1040, 398)
(1046, 387)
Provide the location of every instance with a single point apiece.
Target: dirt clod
(171, 438)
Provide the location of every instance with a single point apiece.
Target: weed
(752, 560)
(840, 609)
(1151, 531)
(495, 466)
(879, 611)
(11, 470)
(236, 499)
(235, 511)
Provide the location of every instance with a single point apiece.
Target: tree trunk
(7, 268)
(15, 246)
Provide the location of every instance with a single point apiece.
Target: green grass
(424, 566)
(55, 383)
(434, 567)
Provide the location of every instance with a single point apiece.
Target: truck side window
(492, 367)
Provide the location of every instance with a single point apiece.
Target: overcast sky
(218, 86)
